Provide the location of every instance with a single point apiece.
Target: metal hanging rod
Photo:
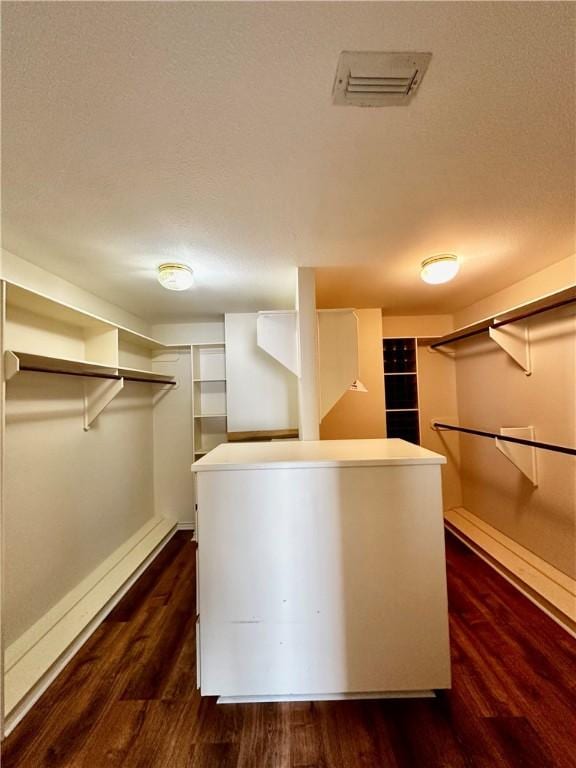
(559, 299)
(113, 376)
(506, 438)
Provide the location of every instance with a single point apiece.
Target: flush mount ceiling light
(175, 277)
(439, 269)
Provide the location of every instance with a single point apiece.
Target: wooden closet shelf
(161, 378)
(67, 364)
(16, 361)
(544, 304)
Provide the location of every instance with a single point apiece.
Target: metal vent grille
(374, 79)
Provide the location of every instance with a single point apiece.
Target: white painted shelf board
(401, 410)
(45, 306)
(145, 374)
(72, 365)
(209, 415)
(68, 364)
(138, 339)
(316, 453)
(176, 346)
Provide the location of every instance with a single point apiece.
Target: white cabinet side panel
(322, 581)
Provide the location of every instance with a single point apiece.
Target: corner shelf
(401, 388)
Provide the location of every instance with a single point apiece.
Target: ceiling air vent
(375, 79)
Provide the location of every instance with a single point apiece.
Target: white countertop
(315, 453)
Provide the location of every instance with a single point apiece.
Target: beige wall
(553, 278)
(361, 414)
(208, 329)
(71, 497)
(416, 325)
(494, 392)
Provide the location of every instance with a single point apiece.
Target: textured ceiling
(135, 133)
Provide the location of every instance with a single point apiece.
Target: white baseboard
(37, 657)
(551, 590)
(326, 697)
(185, 526)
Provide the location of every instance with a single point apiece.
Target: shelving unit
(521, 312)
(401, 388)
(209, 396)
(43, 335)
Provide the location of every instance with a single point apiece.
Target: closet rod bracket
(97, 396)
(11, 365)
(522, 456)
(515, 341)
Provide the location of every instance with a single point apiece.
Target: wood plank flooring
(128, 699)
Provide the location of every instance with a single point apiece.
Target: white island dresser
(321, 571)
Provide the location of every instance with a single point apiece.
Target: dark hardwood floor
(129, 699)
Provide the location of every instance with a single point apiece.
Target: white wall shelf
(154, 375)
(44, 335)
(27, 360)
(402, 410)
(209, 396)
(508, 330)
(404, 373)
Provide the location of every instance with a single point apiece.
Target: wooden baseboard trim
(34, 661)
(551, 590)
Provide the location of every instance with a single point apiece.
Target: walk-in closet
(288, 385)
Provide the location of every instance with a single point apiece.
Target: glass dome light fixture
(175, 277)
(439, 269)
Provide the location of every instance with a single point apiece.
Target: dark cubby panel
(404, 425)
(399, 355)
(401, 391)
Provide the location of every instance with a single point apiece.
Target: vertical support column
(308, 383)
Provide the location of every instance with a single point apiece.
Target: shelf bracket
(97, 396)
(11, 365)
(522, 456)
(277, 335)
(515, 341)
